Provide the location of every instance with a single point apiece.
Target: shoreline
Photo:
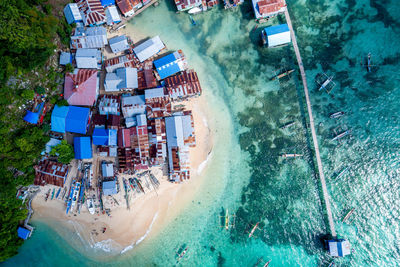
(150, 212)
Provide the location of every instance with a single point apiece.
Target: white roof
(155, 92)
(149, 48)
(87, 58)
(107, 169)
(141, 120)
(112, 15)
(279, 39)
(111, 82)
(123, 78)
(133, 105)
(118, 43)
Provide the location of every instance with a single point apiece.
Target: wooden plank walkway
(312, 126)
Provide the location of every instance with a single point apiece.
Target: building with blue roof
(23, 233)
(31, 117)
(170, 64)
(58, 118)
(77, 120)
(339, 247)
(105, 3)
(104, 137)
(83, 147)
(109, 188)
(65, 58)
(72, 13)
(276, 35)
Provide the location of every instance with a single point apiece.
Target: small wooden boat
(58, 192)
(253, 230)
(281, 75)
(287, 125)
(47, 195)
(52, 194)
(181, 252)
(348, 214)
(139, 185)
(285, 155)
(336, 115)
(192, 20)
(268, 262)
(341, 135)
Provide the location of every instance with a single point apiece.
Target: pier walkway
(312, 126)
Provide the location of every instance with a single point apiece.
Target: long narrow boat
(281, 75)
(58, 192)
(69, 202)
(348, 214)
(341, 135)
(90, 205)
(75, 195)
(336, 115)
(139, 185)
(268, 262)
(253, 230)
(286, 155)
(52, 194)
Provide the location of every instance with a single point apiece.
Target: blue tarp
(105, 3)
(77, 119)
(23, 233)
(31, 117)
(82, 147)
(100, 137)
(167, 66)
(58, 118)
(276, 29)
(109, 188)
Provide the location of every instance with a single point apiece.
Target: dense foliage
(26, 42)
(64, 152)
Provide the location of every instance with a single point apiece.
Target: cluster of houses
(129, 116)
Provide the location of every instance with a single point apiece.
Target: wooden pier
(312, 126)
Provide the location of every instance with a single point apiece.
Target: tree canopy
(64, 152)
(26, 42)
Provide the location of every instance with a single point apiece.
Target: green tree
(64, 152)
(69, 68)
(40, 90)
(27, 94)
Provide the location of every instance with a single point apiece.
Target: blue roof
(31, 117)
(109, 188)
(167, 66)
(276, 29)
(82, 147)
(100, 137)
(23, 233)
(72, 13)
(105, 3)
(77, 119)
(58, 118)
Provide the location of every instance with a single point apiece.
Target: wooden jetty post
(312, 126)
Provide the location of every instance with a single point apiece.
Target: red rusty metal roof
(93, 10)
(185, 84)
(50, 172)
(270, 6)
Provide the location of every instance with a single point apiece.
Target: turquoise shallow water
(245, 174)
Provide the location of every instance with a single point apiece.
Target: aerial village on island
(126, 113)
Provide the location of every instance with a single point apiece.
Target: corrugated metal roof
(141, 120)
(112, 15)
(100, 137)
(87, 58)
(109, 188)
(276, 29)
(155, 92)
(105, 3)
(118, 43)
(149, 48)
(23, 233)
(133, 105)
(72, 14)
(92, 37)
(81, 87)
(83, 147)
(169, 65)
(65, 58)
(93, 12)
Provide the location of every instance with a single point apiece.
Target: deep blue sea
(246, 175)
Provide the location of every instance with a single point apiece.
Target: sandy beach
(149, 212)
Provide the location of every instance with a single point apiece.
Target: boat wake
(204, 164)
(141, 238)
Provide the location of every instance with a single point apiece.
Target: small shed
(83, 147)
(72, 13)
(109, 188)
(107, 169)
(65, 58)
(23, 233)
(112, 15)
(88, 58)
(339, 247)
(58, 118)
(118, 43)
(276, 35)
(149, 48)
(77, 119)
